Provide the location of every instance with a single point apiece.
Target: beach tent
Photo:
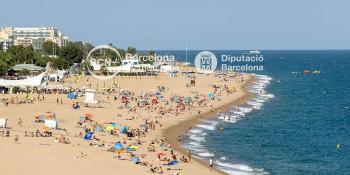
(51, 124)
(72, 95)
(3, 122)
(124, 130)
(89, 136)
(118, 146)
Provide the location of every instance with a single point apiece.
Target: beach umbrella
(109, 128)
(98, 129)
(133, 147)
(118, 146)
(81, 118)
(119, 151)
(115, 125)
(88, 115)
(124, 130)
(129, 149)
(88, 136)
(135, 160)
(174, 162)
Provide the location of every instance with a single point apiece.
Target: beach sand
(41, 155)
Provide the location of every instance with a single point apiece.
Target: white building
(33, 36)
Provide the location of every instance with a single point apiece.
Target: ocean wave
(197, 138)
(239, 169)
(207, 127)
(206, 154)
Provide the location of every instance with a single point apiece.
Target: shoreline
(172, 132)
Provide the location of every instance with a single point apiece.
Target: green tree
(131, 50)
(50, 48)
(73, 53)
(3, 68)
(41, 60)
(21, 54)
(60, 63)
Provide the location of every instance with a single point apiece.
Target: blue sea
(296, 124)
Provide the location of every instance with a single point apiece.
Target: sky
(205, 24)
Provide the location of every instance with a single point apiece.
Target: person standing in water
(211, 163)
(189, 155)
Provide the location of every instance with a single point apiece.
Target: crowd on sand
(127, 140)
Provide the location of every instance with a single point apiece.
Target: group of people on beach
(159, 106)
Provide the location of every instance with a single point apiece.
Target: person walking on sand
(61, 102)
(57, 101)
(20, 122)
(211, 164)
(16, 139)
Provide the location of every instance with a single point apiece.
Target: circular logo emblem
(105, 60)
(205, 62)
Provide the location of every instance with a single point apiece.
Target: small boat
(316, 72)
(256, 51)
(306, 72)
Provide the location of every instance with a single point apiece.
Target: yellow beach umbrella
(109, 128)
(133, 147)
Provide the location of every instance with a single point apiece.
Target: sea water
(296, 124)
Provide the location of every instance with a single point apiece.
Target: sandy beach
(155, 128)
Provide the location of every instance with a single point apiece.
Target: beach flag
(88, 136)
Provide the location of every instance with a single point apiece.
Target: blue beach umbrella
(118, 146)
(124, 129)
(135, 160)
(88, 136)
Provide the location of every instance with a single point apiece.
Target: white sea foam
(232, 116)
(210, 121)
(208, 127)
(206, 154)
(196, 131)
(239, 169)
(197, 138)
